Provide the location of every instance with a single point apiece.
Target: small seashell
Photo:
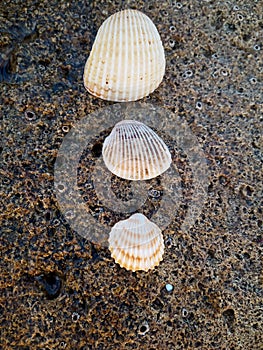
(136, 243)
(133, 151)
(127, 60)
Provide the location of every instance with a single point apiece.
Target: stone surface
(60, 291)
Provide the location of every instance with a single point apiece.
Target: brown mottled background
(58, 290)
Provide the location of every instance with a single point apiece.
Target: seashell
(133, 151)
(127, 60)
(136, 243)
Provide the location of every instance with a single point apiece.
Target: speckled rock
(213, 82)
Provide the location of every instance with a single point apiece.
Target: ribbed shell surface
(136, 243)
(127, 59)
(133, 151)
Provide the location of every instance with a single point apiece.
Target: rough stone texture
(58, 290)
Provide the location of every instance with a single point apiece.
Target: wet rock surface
(61, 291)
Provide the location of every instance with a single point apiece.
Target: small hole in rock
(229, 316)
(51, 283)
(96, 149)
(30, 115)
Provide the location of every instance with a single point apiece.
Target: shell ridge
(150, 53)
(106, 152)
(110, 151)
(149, 159)
(158, 57)
(135, 67)
(127, 52)
(101, 71)
(146, 52)
(148, 147)
(98, 71)
(108, 69)
(144, 152)
(127, 131)
(131, 68)
(139, 151)
(117, 153)
(119, 44)
(133, 161)
(108, 75)
(140, 58)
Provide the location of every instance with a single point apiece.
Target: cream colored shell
(136, 243)
(133, 151)
(127, 59)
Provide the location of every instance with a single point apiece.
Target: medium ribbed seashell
(133, 151)
(127, 59)
(136, 243)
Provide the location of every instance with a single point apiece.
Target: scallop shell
(127, 59)
(133, 151)
(136, 243)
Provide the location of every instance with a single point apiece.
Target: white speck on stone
(169, 287)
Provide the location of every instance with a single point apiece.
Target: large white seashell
(136, 243)
(133, 151)
(127, 59)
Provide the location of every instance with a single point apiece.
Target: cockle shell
(127, 59)
(133, 151)
(136, 243)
